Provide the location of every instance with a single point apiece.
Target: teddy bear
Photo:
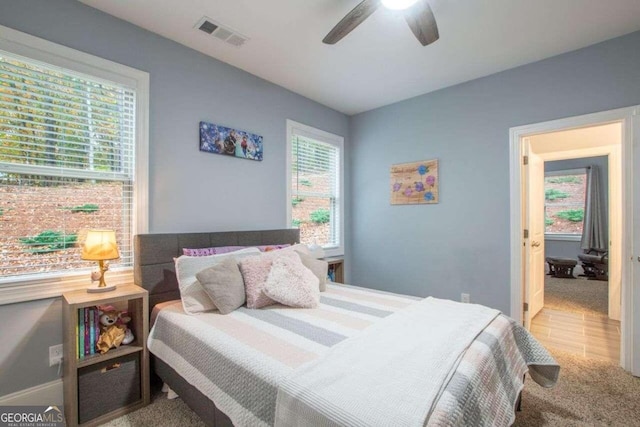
(113, 329)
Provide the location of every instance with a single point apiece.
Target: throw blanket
(391, 374)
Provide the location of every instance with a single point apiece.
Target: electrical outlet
(55, 354)
(465, 298)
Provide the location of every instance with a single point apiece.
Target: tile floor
(578, 333)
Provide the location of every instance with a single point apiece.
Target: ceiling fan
(417, 13)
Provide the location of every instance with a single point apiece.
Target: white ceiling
(381, 62)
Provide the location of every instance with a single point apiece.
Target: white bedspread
(392, 374)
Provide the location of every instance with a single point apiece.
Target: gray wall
(462, 243)
(571, 249)
(189, 190)
(27, 331)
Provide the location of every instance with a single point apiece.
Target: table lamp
(100, 246)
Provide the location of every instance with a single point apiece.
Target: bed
(270, 366)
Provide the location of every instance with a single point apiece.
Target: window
(565, 193)
(315, 186)
(68, 146)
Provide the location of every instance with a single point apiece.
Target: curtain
(593, 231)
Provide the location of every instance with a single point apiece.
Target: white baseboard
(44, 394)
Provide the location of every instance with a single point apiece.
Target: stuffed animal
(113, 329)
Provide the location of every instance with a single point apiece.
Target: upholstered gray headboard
(154, 268)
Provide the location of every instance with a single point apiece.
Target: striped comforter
(238, 360)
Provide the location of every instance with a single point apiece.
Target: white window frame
(51, 285)
(564, 237)
(328, 138)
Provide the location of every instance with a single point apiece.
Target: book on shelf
(78, 339)
(81, 333)
(92, 332)
(87, 342)
(87, 331)
(96, 323)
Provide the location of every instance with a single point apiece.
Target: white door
(633, 288)
(534, 244)
(615, 233)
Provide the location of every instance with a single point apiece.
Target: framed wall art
(415, 183)
(231, 142)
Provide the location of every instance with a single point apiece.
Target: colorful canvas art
(414, 183)
(231, 142)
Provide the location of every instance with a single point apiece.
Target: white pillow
(194, 298)
(317, 267)
(291, 283)
(316, 251)
(298, 247)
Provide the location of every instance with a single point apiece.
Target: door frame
(629, 360)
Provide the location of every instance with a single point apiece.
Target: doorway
(575, 306)
(527, 250)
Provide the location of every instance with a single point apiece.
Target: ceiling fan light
(398, 4)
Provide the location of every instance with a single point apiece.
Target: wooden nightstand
(336, 266)
(100, 387)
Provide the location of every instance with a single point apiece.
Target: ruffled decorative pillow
(211, 251)
(226, 249)
(255, 271)
(292, 284)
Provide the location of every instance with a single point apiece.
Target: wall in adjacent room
(462, 243)
(571, 249)
(189, 190)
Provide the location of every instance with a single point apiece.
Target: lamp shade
(100, 245)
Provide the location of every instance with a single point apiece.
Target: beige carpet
(577, 295)
(590, 393)
(162, 412)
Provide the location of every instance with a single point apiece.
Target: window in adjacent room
(315, 187)
(565, 193)
(67, 165)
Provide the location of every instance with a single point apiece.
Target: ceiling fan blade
(354, 18)
(422, 22)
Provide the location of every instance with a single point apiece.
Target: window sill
(333, 252)
(36, 288)
(565, 237)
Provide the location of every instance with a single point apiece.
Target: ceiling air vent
(221, 32)
(208, 27)
(236, 40)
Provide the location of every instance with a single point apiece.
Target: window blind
(66, 165)
(315, 198)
